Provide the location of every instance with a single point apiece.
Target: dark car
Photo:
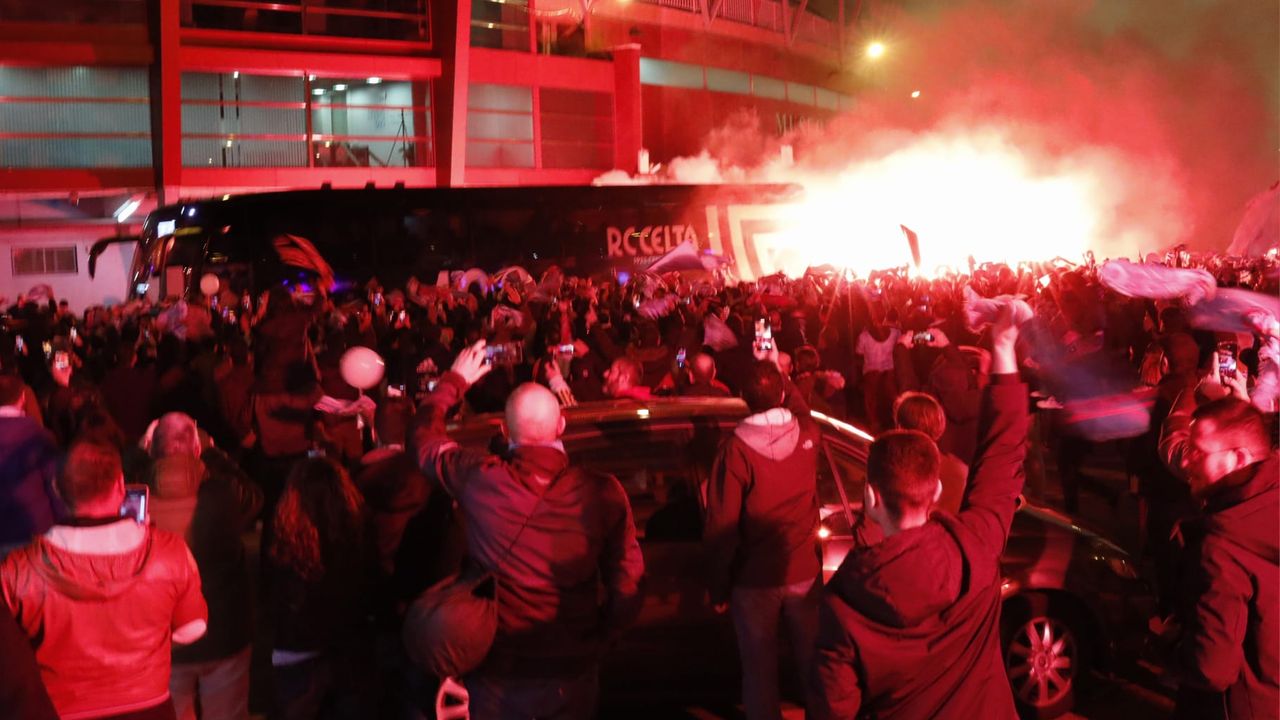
(1068, 591)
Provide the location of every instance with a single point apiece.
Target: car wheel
(1045, 655)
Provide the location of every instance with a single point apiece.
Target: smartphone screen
(135, 502)
(680, 358)
(1226, 359)
(764, 335)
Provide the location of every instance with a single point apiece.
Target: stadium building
(111, 107)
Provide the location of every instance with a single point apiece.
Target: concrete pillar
(166, 99)
(451, 37)
(628, 118)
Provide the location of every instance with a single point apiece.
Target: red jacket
(571, 583)
(910, 627)
(101, 604)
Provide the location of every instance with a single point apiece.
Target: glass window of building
(242, 120)
(577, 128)
(799, 93)
(44, 260)
(728, 81)
(499, 126)
(500, 24)
(371, 122)
(74, 117)
(373, 19)
(670, 74)
(77, 12)
(767, 87)
(827, 99)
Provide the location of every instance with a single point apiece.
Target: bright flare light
(963, 194)
(875, 50)
(915, 93)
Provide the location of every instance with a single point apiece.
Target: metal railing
(375, 19)
(767, 15)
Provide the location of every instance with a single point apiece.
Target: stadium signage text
(648, 240)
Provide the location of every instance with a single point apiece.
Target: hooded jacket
(1231, 591)
(101, 604)
(209, 504)
(762, 502)
(910, 627)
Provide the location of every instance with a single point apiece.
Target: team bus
(392, 234)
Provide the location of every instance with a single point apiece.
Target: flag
(1235, 310)
(1157, 282)
(682, 257)
(1259, 228)
(913, 241)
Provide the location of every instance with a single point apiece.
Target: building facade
(111, 107)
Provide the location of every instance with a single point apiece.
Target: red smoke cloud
(1173, 114)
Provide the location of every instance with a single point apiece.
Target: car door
(842, 473)
(679, 648)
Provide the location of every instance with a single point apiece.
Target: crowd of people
(239, 418)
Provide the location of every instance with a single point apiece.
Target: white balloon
(209, 284)
(361, 367)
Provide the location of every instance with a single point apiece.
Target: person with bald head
(702, 378)
(559, 539)
(201, 495)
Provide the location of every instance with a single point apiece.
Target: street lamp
(875, 50)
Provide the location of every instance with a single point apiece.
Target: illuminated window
(384, 123)
(577, 128)
(827, 99)
(499, 126)
(44, 260)
(241, 120)
(74, 117)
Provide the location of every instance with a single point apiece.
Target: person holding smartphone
(103, 598)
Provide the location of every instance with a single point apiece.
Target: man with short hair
(761, 531)
(910, 627)
(560, 539)
(28, 457)
(921, 411)
(622, 380)
(1227, 657)
(202, 496)
(102, 597)
(702, 377)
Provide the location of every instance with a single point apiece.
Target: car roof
(479, 428)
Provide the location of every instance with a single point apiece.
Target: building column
(628, 118)
(451, 37)
(166, 100)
